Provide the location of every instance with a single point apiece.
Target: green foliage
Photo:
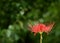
(16, 15)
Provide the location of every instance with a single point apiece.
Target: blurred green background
(16, 15)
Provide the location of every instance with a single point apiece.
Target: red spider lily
(41, 28)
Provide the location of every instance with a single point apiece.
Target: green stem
(40, 38)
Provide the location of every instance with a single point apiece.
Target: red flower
(41, 28)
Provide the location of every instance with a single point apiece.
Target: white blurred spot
(41, 20)
(22, 12)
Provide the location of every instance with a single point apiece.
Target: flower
(41, 28)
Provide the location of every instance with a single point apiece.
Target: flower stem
(40, 38)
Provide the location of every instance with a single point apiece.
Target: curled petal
(49, 27)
